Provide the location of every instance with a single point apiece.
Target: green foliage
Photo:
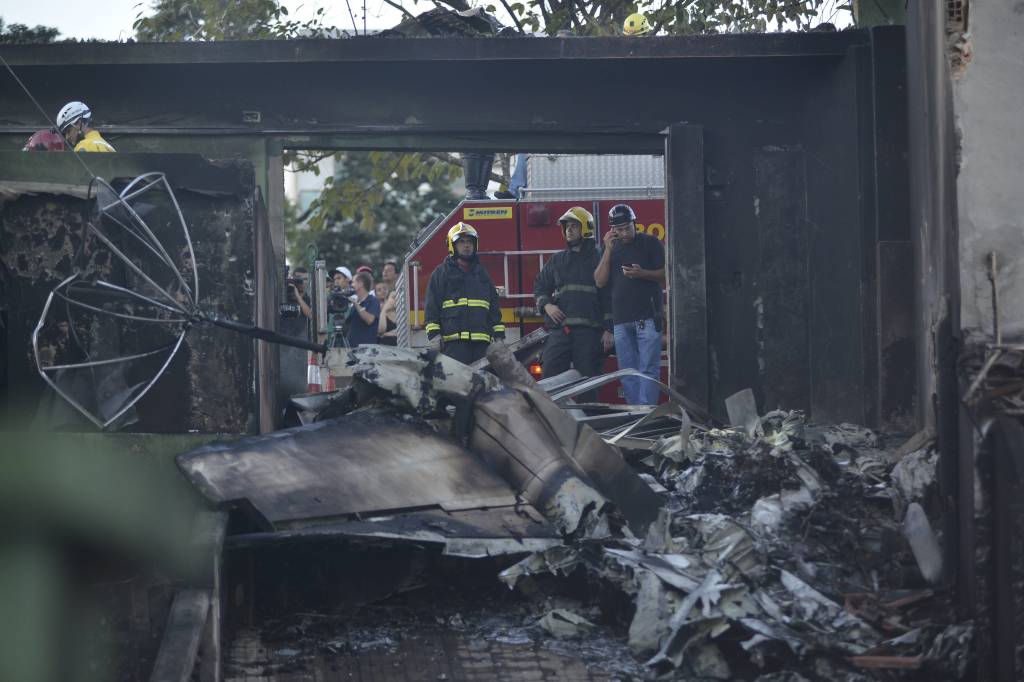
(14, 34)
(371, 208)
(205, 20)
(677, 17)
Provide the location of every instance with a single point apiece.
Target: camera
(338, 305)
(338, 300)
(290, 283)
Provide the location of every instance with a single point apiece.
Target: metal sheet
(515, 529)
(695, 410)
(593, 171)
(361, 463)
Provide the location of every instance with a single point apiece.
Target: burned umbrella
(109, 331)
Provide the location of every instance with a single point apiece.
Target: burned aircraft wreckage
(450, 522)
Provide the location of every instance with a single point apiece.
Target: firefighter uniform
(567, 280)
(93, 142)
(462, 306)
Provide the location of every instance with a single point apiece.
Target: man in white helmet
(74, 123)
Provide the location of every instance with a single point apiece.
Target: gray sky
(112, 19)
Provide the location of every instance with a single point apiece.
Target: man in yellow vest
(73, 122)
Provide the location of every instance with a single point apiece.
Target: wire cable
(43, 112)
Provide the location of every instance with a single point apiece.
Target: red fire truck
(516, 237)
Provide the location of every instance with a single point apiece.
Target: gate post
(689, 359)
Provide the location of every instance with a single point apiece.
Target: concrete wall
(989, 96)
(210, 387)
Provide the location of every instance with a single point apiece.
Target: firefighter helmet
(46, 140)
(581, 215)
(460, 231)
(72, 113)
(620, 214)
(636, 25)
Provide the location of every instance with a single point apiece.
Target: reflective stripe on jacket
(567, 280)
(463, 306)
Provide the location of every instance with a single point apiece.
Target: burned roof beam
(745, 46)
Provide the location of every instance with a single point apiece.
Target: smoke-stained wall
(47, 206)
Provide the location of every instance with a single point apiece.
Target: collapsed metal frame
(450, 128)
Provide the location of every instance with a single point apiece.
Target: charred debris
(662, 542)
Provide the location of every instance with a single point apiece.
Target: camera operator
(342, 277)
(339, 306)
(295, 308)
(365, 311)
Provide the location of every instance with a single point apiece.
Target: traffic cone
(313, 374)
(329, 384)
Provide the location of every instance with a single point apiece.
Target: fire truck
(517, 236)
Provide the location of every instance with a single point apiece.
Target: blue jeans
(518, 180)
(638, 346)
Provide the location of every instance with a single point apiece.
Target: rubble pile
(778, 552)
(769, 550)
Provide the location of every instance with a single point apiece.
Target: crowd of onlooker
(361, 309)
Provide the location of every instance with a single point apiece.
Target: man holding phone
(634, 264)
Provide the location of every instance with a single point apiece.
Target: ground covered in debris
(452, 631)
(788, 552)
(770, 551)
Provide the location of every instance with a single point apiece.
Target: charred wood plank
(180, 644)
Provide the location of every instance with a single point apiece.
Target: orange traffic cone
(313, 374)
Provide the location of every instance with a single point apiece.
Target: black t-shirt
(388, 340)
(636, 299)
(292, 322)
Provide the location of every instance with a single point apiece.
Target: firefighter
(576, 312)
(462, 304)
(636, 25)
(74, 123)
(45, 140)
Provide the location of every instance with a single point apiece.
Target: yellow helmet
(636, 25)
(457, 232)
(583, 216)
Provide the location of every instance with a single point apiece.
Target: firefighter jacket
(92, 142)
(567, 280)
(461, 305)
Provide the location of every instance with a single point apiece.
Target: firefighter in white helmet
(74, 121)
(577, 314)
(463, 310)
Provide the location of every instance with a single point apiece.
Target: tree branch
(512, 14)
(401, 9)
(458, 5)
(446, 157)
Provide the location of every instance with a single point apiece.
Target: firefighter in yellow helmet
(577, 314)
(463, 310)
(636, 25)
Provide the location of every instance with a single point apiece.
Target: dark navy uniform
(463, 308)
(567, 280)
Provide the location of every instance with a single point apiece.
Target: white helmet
(71, 113)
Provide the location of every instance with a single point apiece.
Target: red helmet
(46, 140)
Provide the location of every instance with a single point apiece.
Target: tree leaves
(210, 20)
(15, 34)
(372, 207)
